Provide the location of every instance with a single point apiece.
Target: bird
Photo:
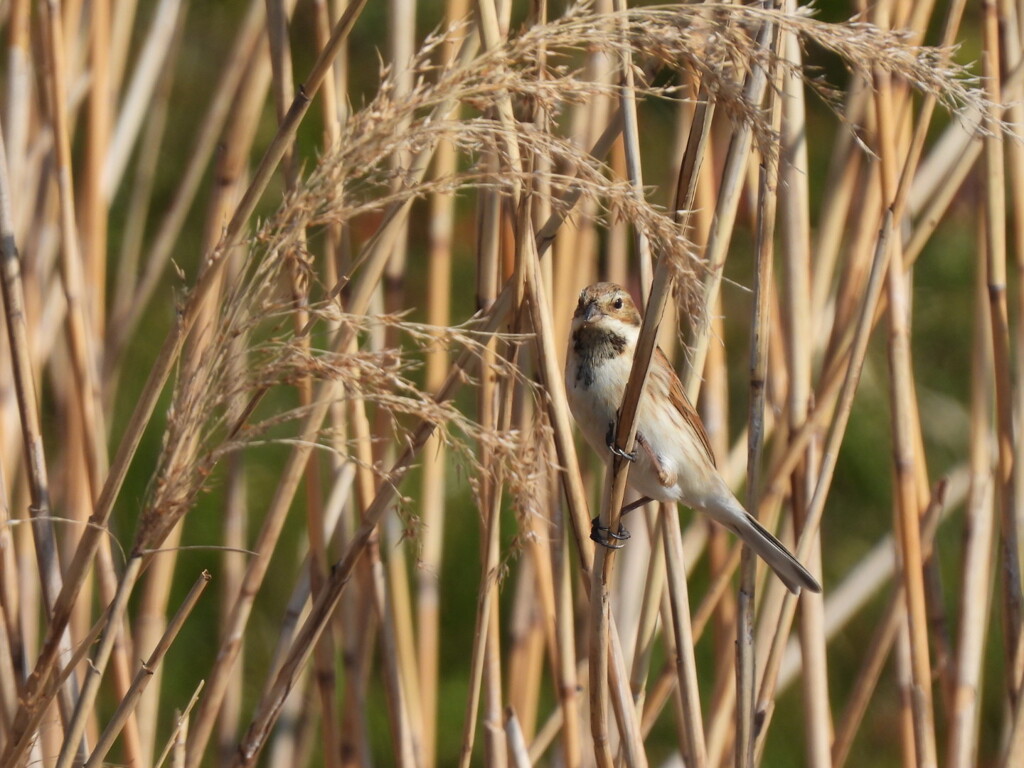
(673, 459)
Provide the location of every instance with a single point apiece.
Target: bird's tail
(773, 552)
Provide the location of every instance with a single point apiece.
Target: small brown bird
(673, 460)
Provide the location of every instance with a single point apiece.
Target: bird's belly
(594, 399)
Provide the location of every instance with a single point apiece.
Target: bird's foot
(609, 440)
(604, 536)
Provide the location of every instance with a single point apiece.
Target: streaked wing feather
(678, 398)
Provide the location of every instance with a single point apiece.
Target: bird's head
(606, 306)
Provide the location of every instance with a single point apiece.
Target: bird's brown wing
(678, 398)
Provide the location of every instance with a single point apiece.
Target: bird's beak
(592, 313)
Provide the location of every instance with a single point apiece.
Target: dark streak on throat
(592, 347)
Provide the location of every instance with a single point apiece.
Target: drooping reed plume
(410, 392)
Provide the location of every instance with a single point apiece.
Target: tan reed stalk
(797, 323)
(145, 674)
(94, 210)
(179, 734)
(165, 360)
(527, 635)
(908, 461)
(17, 112)
(535, 611)
(519, 755)
(374, 580)
(323, 606)
(625, 435)
(298, 604)
(34, 454)
(1015, 747)
(746, 663)
(559, 415)
(846, 164)
(283, 90)
(893, 618)
(995, 255)
(1012, 57)
(485, 679)
(631, 147)
(617, 244)
(490, 29)
(567, 674)
(730, 188)
(12, 642)
(692, 731)
(120, 40)
(650, 608)
(150, 623)
(439, 294)
(714, 411)
(358, 644)
(979, 527)
(73, 739)
(80, 326)
(139, 203)
(147, 70)
(161, 369)
(829, 455)
(240, 61)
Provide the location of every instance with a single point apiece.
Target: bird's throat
(593, 346)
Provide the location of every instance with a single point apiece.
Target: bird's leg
(634, 505)
(609, 440)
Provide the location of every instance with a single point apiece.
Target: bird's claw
(603, 535)
(609, 440)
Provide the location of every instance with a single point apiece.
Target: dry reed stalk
(147, 71)
(518, 752)
(401, 43)
(797, 321)
(240, 62)
(434, 487)
(141, 197)
(572, 484)
(161, 369)
(714, 412)
(485, 678)
(625, 434)
(975, 597)
(833, 438)
(995, 255)
(324, 604)
(650, 608)
(725, 215)
(16, 105)
(881, 644)
(34, 455)
(567, 674)
(746, 663)
(145, 674)
(1011, 48)
(168, 354)
(281, 66)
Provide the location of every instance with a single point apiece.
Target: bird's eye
(617, 303)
